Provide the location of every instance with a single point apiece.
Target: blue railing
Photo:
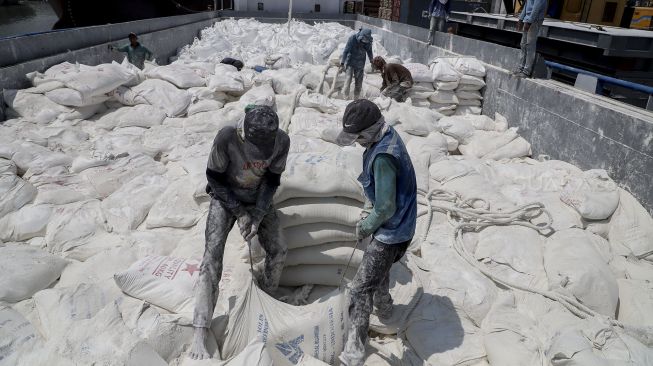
(602, 79)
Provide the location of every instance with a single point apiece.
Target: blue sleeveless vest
(401, 226)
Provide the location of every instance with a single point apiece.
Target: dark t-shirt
(244, 169)
(395, 73)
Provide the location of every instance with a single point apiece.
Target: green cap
(249, 107)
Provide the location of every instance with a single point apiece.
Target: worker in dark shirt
(397, 79)
(390, 188)
(136, 52)
(233, 62)
(243, 172)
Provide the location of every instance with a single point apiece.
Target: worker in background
(136, 52)
(389, 218)
(358, 46)
(233, 62)
(439, 13)
(397, 79)
(530, 22)
(243, 172)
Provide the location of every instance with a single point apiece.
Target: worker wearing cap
(243, 172)
(397, 79)
(136, 52)
(390, 188)
(358, 46)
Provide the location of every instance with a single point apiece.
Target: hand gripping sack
(318, 329)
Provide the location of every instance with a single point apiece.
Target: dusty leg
(349, 74)
(218, 224)
(275, 250)
(383, 299)
(358, 82)
(377, 260)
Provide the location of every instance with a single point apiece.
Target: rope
(473, 214)
(251, 261)
(342, 279)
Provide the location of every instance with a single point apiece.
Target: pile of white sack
(103, 213)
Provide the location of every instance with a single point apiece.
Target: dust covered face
(260, 127)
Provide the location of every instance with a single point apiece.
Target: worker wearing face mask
(243, 173)
(390, 188)
(358, 46)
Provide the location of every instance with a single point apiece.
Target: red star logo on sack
(191, 268)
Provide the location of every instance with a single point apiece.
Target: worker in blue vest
(388, 220)
(358, 46)
(530, 22)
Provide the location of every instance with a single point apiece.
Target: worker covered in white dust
(389, 217)
(397, 80)
(243, 173)
(358, 46)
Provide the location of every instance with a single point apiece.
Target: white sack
(337, 210)
(204, 105)
(175, 207)
(483, 143)
(635, 302)
(445, 85)
(444, 97)
(468, 82)
(181, 76)
(28, 222)
(17, 336)
(318, 233)
(420, 72)
(513, 253)
(594, 195)
(316, 274)
(226, 79)
(72, 225)
(59, 307)
(142, 115)
(442, 70)
(165, 96)
(329, 253)
(73, 98)
(35, 108)
(414, 120)
(574, 267)
(127, 207)
(311, 175)
(164, 281)
(460, 129)
(27, 270)
(470, 66)
(97, 80)
(317, 329)
(102, 339)
(631, 226)
(15, 193)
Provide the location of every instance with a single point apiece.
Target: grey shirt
(243, 165)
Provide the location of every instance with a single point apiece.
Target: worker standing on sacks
(397, 79)
(243, 171)
(358, 46)
(389, 217)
